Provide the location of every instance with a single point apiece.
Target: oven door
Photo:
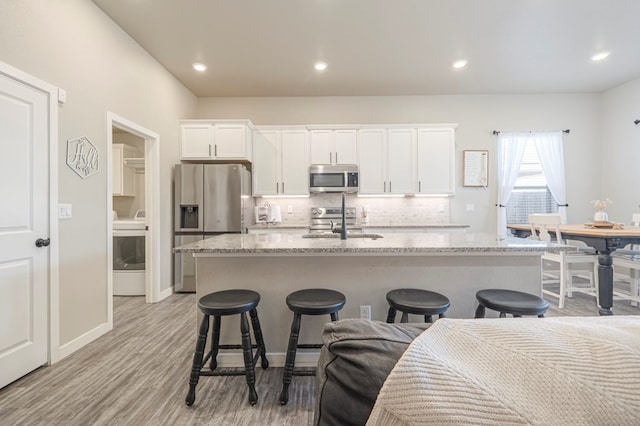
(128, 250)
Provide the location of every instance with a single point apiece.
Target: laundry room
(129, 221)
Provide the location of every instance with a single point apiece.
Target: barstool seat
(313, 301)
(416, 301)
(219, 304)
(512, 302)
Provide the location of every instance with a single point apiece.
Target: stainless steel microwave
(329, 178)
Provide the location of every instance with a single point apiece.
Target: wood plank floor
(138, 375)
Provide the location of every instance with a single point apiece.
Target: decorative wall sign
(476, 168)
(82, 156)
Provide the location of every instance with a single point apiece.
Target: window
(530, 193)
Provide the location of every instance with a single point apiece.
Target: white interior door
(24, 268)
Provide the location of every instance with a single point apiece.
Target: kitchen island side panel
(364, 280)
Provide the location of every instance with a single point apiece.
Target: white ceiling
(387, 47)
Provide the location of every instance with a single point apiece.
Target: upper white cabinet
(386, 161)
(122, 177)
(216, 140)
(372, 161)
(436, 161)
(407, 160)
(401, 161)
(333, 146)
(280, 161)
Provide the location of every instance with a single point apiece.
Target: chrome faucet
(343, 228)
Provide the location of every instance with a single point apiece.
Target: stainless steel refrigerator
(210, 199)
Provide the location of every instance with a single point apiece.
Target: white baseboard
(165, 293)
(83, 340)
(308, 359)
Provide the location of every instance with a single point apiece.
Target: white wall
(620, 151)
(477, 116)
(73, 45)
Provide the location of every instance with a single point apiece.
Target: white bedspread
(550, 371)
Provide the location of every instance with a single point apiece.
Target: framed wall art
(476, 168)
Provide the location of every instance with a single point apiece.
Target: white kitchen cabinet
(436, 161)
(122, 176)
(386, 161)
(216, 140)
(372, 162)
(280, 162)
(333, 146)
(407, 160)
(401, 161)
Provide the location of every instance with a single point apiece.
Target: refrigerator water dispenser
(188, 216)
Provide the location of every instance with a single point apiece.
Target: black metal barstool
(314, 301)
(516, 303)
(416, 301)
(219, 304)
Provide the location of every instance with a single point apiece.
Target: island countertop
(390, 244)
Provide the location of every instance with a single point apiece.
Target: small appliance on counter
(268, 214)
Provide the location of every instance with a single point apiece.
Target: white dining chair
(565, 272)
(626, 267)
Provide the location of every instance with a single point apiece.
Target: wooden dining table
(605, 241)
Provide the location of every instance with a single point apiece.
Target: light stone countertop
(285, 227)
(391, 244)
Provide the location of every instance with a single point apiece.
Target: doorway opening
(133, 200)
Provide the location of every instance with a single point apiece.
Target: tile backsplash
(383, 211)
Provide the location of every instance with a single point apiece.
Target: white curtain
(511, 147)
(551, 156)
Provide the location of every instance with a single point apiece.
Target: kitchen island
(454, 264)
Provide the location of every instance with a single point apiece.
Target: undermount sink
(349, 235)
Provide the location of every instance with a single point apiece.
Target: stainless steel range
(322, 218)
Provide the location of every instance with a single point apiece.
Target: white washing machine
(129, 256)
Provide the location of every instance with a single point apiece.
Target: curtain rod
(497, 132)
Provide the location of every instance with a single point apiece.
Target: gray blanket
(552, 371)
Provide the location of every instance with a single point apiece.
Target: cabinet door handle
(277, 187)
(385, 186)
(336, 158)
(419, 186)
(209, 150)
(215, 150)
(389, 186)
(283, 187)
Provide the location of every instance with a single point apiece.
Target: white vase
(600, 216)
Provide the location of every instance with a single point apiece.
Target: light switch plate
(65, 211)
(289, 209)
(471, 207)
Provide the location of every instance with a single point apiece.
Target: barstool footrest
(302, 371)
(309, 346)
(239, 371)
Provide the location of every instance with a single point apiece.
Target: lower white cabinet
(280, 162)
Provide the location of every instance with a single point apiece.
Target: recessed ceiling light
(199, 67)
(460, 63)
(599, 56)
(320, 66)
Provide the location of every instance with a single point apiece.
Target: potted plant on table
(601, 205)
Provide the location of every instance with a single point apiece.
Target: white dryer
(129, 256)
